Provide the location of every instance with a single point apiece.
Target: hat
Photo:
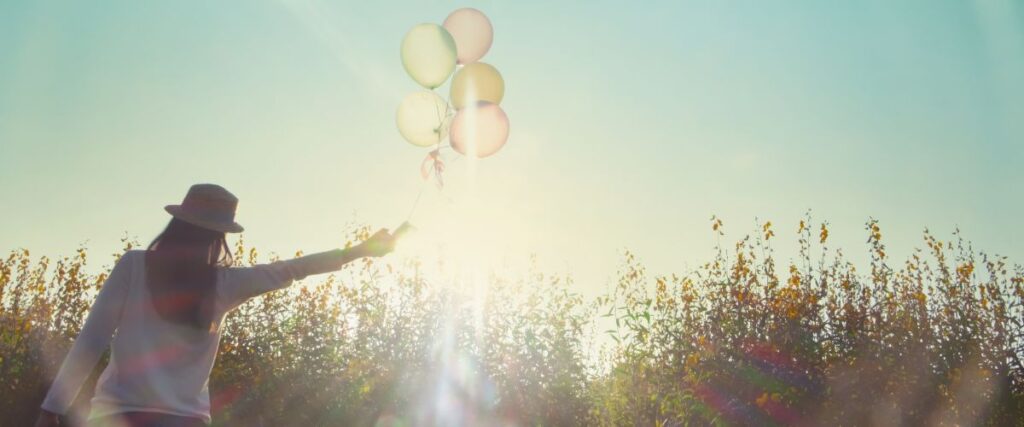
(209, 206)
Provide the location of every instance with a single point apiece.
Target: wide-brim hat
(209, 206)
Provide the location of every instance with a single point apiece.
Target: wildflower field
(745, 339)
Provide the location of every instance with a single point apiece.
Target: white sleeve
(241, 283)
(93, 340)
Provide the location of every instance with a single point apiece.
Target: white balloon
(423, 118)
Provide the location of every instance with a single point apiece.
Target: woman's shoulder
(132, 257)
(133, 254)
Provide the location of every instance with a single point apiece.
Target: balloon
(422, 118)
(477, 82)
(472, 32)
(428, 54)
(479, 130)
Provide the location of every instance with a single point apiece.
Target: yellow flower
(692, 360)
(920, 297)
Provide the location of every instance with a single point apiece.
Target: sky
(632, 123)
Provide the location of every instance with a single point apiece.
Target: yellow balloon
(423, 118)
(477, 82)
(429, 54)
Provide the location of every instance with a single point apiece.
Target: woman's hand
(379, 244)
(47, 419)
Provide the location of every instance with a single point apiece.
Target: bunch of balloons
(471, 119)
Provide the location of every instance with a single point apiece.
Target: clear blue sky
(632, 122)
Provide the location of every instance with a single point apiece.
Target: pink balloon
(472, 32)
(480, 130)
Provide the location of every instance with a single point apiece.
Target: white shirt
(156, 365)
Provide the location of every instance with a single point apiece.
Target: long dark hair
(181, 272)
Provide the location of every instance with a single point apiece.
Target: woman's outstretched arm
(240, 284)
(92, 341)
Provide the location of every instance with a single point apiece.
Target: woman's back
(155, 362)
(157, 365)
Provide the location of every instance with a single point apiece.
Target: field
(745, 339)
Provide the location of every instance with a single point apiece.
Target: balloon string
(423, 186)
(440, 125)
(416, 203)
(440, 119)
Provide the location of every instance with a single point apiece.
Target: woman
(167, 304)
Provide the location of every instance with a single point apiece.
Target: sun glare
(466, 237)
